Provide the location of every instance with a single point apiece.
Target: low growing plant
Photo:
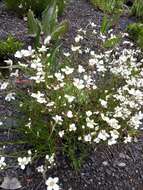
(37, 6)
(137, 8)
(9, 46)
(48, 26)
(76, 106)
(136, 33)
(108, 6)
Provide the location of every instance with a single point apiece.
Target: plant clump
(108, 6)
(72, 108)
(137, 9)
(37, 6)
(136, 33)
(9, 46)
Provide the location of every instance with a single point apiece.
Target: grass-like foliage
(137, 8)
(108, 6)
(136, 33)
(9, 46)
(37, 6)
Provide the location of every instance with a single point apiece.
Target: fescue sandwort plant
(76, 106)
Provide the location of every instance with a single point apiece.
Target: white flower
(81, 30)
(36, 64)
(39, 78)
(59, 76)
(4, 85)
(47, 40)
(79, 83)
(81, 69)
(2, 162)
(90, 123)
(20, 6)
(135, 120)
(52, 183)
(93, 24)
(103, 37)
(69, 98)
(28, 125)
(39, 97)
(10, 96)
(1, 123)
(24, 53)
(67, 54)
(29, 152)
(87, 50)
(72, 127)
(88, 113)
(114, 123)
(94, 32)
(15, 74)
(9, 62)
(40, 169)
(112, 141)
(67, 70)
(114, 134)
(69, 114)
(103, 135)
(75, 48)
(18, 54)
(25, 18)
(50, 158)
(61, 133)
(87, 138)
(127, 139)
(58, 119)
(24, 161)
(42, 49)
(92, 62)
(78, 38)
(50, 104)
(103, 103)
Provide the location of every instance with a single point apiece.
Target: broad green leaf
(104, 25)
(33, 24)
(49, 19)
(60, 30)
(34, 27)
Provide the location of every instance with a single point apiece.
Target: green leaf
(104, 25)
(33, 24)
(34, 27)
(61, 5)
(49, 19)
(110, 43)
(60, 30)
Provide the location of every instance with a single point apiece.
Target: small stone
(11, 183)
(121, 164)
(122, 155)
(105, 163)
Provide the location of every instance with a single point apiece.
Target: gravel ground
(11, 24)
(119, 167)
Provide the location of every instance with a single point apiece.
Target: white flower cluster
(50, 159)
(2, 163)
(114, 109)
(24, 161)
(99, 102)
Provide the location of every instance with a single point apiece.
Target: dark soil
(10, 24)
(119, 167)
